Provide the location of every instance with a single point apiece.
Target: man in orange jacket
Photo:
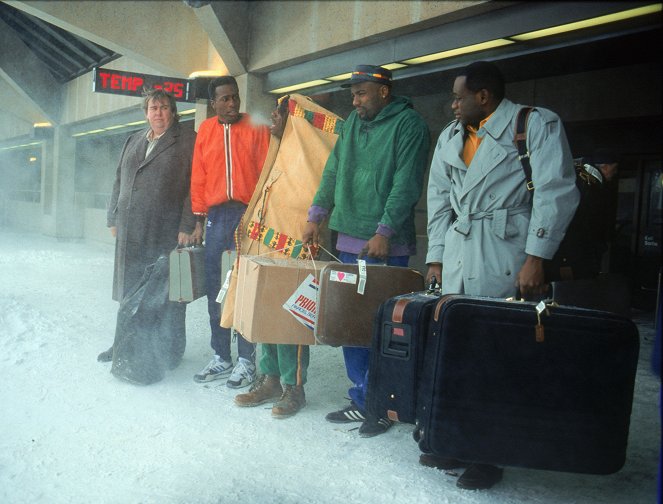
(227, 160)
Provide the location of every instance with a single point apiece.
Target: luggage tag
(302, 304)
(362, 276)
(541, 307)
(538, 330)
(224, 288)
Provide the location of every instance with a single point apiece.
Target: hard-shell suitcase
(349, 300)
(186, 274)
(507, 385)
(397, 353)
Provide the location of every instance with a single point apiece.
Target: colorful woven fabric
(319, 120)
(280, 242)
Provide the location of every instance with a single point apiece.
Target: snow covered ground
(70, 432)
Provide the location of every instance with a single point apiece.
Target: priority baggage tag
(362, 276)
(538, 330)
(224, 288)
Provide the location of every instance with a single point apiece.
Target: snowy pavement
(73, 433)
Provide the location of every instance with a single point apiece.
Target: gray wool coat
(150, 203)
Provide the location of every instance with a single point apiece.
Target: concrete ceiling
(46, 44)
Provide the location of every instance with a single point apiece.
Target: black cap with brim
(369, 73)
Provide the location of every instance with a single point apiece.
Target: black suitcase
(505, 385)
(397, 351)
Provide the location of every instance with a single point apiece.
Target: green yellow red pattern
(321, 121)
(280, 242)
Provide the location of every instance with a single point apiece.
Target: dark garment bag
(506, 386)
(150, 332)
(397, 354)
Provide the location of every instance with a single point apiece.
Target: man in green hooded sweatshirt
(370, 185)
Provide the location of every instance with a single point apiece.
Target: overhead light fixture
(458, 51)
(206, 73)
(588, 23)
(340, 77)
(42, 125)
(303, 85)
(394, 66)
(187, 112)
(19, 146)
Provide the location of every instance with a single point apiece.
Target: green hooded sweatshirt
(375, 173)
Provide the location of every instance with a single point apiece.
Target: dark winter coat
(150, 203)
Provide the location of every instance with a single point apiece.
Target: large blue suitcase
(397, 352)
(506, 385)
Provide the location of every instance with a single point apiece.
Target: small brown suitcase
(345, 317)
(187, 274)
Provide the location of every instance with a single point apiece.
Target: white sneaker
(216, 369)
(243, 375)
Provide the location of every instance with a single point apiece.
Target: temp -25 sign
(120, 82)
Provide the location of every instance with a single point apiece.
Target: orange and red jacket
(227, 161)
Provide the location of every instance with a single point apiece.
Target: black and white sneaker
(373, 427)
(215, 370)
(347, 415)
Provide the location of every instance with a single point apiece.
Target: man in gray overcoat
(487, 234)
(150, 207)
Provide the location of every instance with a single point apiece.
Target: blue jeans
(222, 220)
(357, 358)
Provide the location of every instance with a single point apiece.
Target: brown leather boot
(266, 388)
(292, 400)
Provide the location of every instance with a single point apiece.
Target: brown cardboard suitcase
(345, 317)
(186, 274)
(264, 284)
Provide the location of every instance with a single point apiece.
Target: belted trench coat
(482, 220)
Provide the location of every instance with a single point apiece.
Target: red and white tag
(303, 302)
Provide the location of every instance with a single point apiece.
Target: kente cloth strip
(280, 242)
(325, 122)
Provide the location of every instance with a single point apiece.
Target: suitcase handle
(396, 340)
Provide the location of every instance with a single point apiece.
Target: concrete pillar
(68, 218)
(254, 100)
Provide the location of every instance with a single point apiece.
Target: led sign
(120, 82)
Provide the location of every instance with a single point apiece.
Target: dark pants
(357, 358)
(219, 237)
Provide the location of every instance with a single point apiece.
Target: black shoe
(347, 415)
(479, 477)
(441, 463)
(374, 427)
(106, 356)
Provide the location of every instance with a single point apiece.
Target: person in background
(478, 201)
(227, 160)
(150, 208)
(370, 186)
